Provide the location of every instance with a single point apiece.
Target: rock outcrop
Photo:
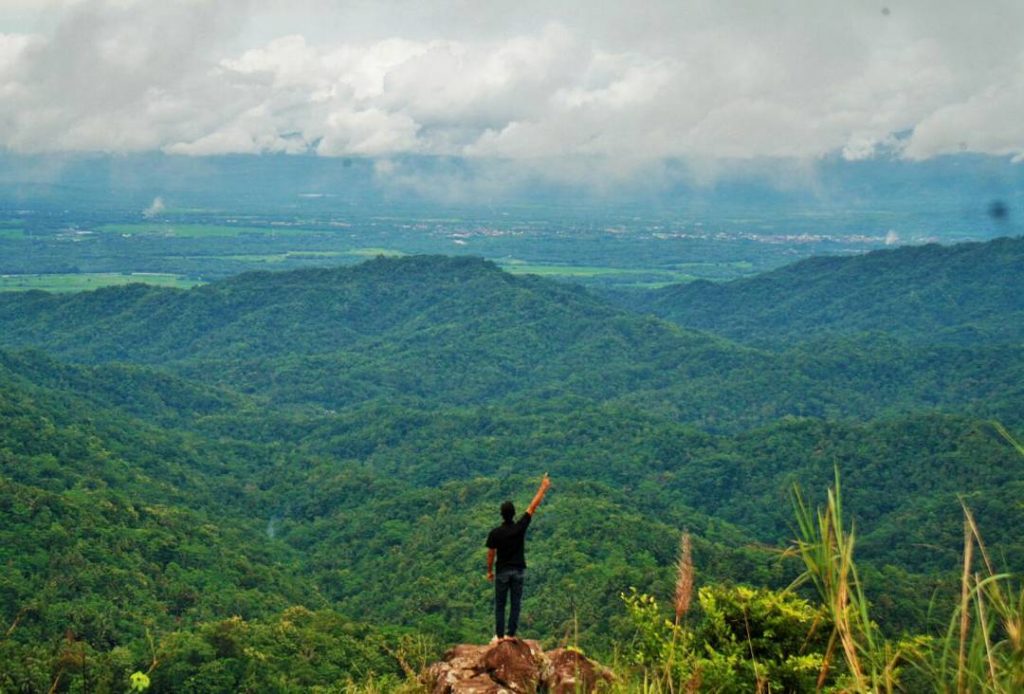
(515, 666)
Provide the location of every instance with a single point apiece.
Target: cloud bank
(628, 83)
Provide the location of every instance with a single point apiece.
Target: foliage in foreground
(737, 639)
(756, 640)
(745, 640)
(299, 650)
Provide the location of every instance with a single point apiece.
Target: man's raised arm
(539, 496)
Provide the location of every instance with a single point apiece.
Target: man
(506, 542)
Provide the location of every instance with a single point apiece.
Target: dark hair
(508, 511)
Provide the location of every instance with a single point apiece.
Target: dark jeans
(505, 582)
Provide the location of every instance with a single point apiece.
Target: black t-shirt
(508, 539)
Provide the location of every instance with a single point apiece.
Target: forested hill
(463, 308)
(433, 330)
(967, 293)
(380, 511)
(241, 469)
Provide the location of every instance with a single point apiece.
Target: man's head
(508, 511)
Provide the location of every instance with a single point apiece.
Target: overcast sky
(521, 80)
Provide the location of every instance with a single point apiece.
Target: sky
(581, 86)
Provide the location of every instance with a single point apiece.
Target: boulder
(514, 666)
(569, 671)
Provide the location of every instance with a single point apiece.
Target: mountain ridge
(252, 473)
(967, 293)
(459, 331)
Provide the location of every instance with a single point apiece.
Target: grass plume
(684, 578)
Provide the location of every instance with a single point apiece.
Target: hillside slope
(379, 511)
(110, 525)
(340, 439)
(431, 331)
(316, 311)
(968, 293)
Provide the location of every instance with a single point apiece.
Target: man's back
(509, 540)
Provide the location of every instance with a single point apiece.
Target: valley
(336, 440)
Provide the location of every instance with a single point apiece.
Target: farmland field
(76, 282)
(632, 276)
(195, 231)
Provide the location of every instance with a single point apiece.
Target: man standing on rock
(506, 542)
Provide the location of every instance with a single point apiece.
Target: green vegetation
(760, 640)
(374, 252)
(90, 280)
(312, 255)
(458, 331)
(745, 640)
(637, 276)
(202, 241)
(968, 293)
(740, 265)
(282, 481)
(282, 257)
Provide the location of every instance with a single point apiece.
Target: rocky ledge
(515, 666)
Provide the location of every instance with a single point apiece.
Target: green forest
(282, 481)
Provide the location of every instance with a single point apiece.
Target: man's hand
(541, 491)
(490, 576)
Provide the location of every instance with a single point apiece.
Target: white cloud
(991, 121)
(11, 48)
(537, 82)
(368, 132)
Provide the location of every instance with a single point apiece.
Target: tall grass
(983, 648)
(981, 651)
(825, 546)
